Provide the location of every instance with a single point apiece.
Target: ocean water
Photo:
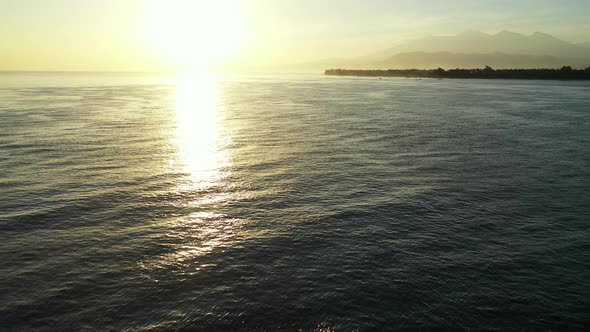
(293, 202)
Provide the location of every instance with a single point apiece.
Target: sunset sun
(194, 34)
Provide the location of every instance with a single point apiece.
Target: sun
(194, 34)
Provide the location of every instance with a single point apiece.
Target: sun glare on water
(199, 137)
(194, 34)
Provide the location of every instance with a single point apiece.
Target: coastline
(564, 73)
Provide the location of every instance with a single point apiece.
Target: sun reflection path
(202, 155)
(200, 142)
(199, 227)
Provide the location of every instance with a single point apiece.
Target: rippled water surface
(293, 202)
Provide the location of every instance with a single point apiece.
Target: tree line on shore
(564, 73)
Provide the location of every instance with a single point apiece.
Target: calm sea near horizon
(293, 202)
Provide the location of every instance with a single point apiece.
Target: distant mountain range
(507, 42)
(472, 49)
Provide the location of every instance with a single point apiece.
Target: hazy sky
(131, 34)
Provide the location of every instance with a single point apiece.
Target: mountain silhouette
(468, 49)
(505, 41)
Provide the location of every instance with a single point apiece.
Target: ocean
(293, 202)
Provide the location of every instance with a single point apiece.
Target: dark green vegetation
(565, 73)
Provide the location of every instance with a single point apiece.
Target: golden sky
(163, 35)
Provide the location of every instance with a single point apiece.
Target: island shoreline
(564, 73)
